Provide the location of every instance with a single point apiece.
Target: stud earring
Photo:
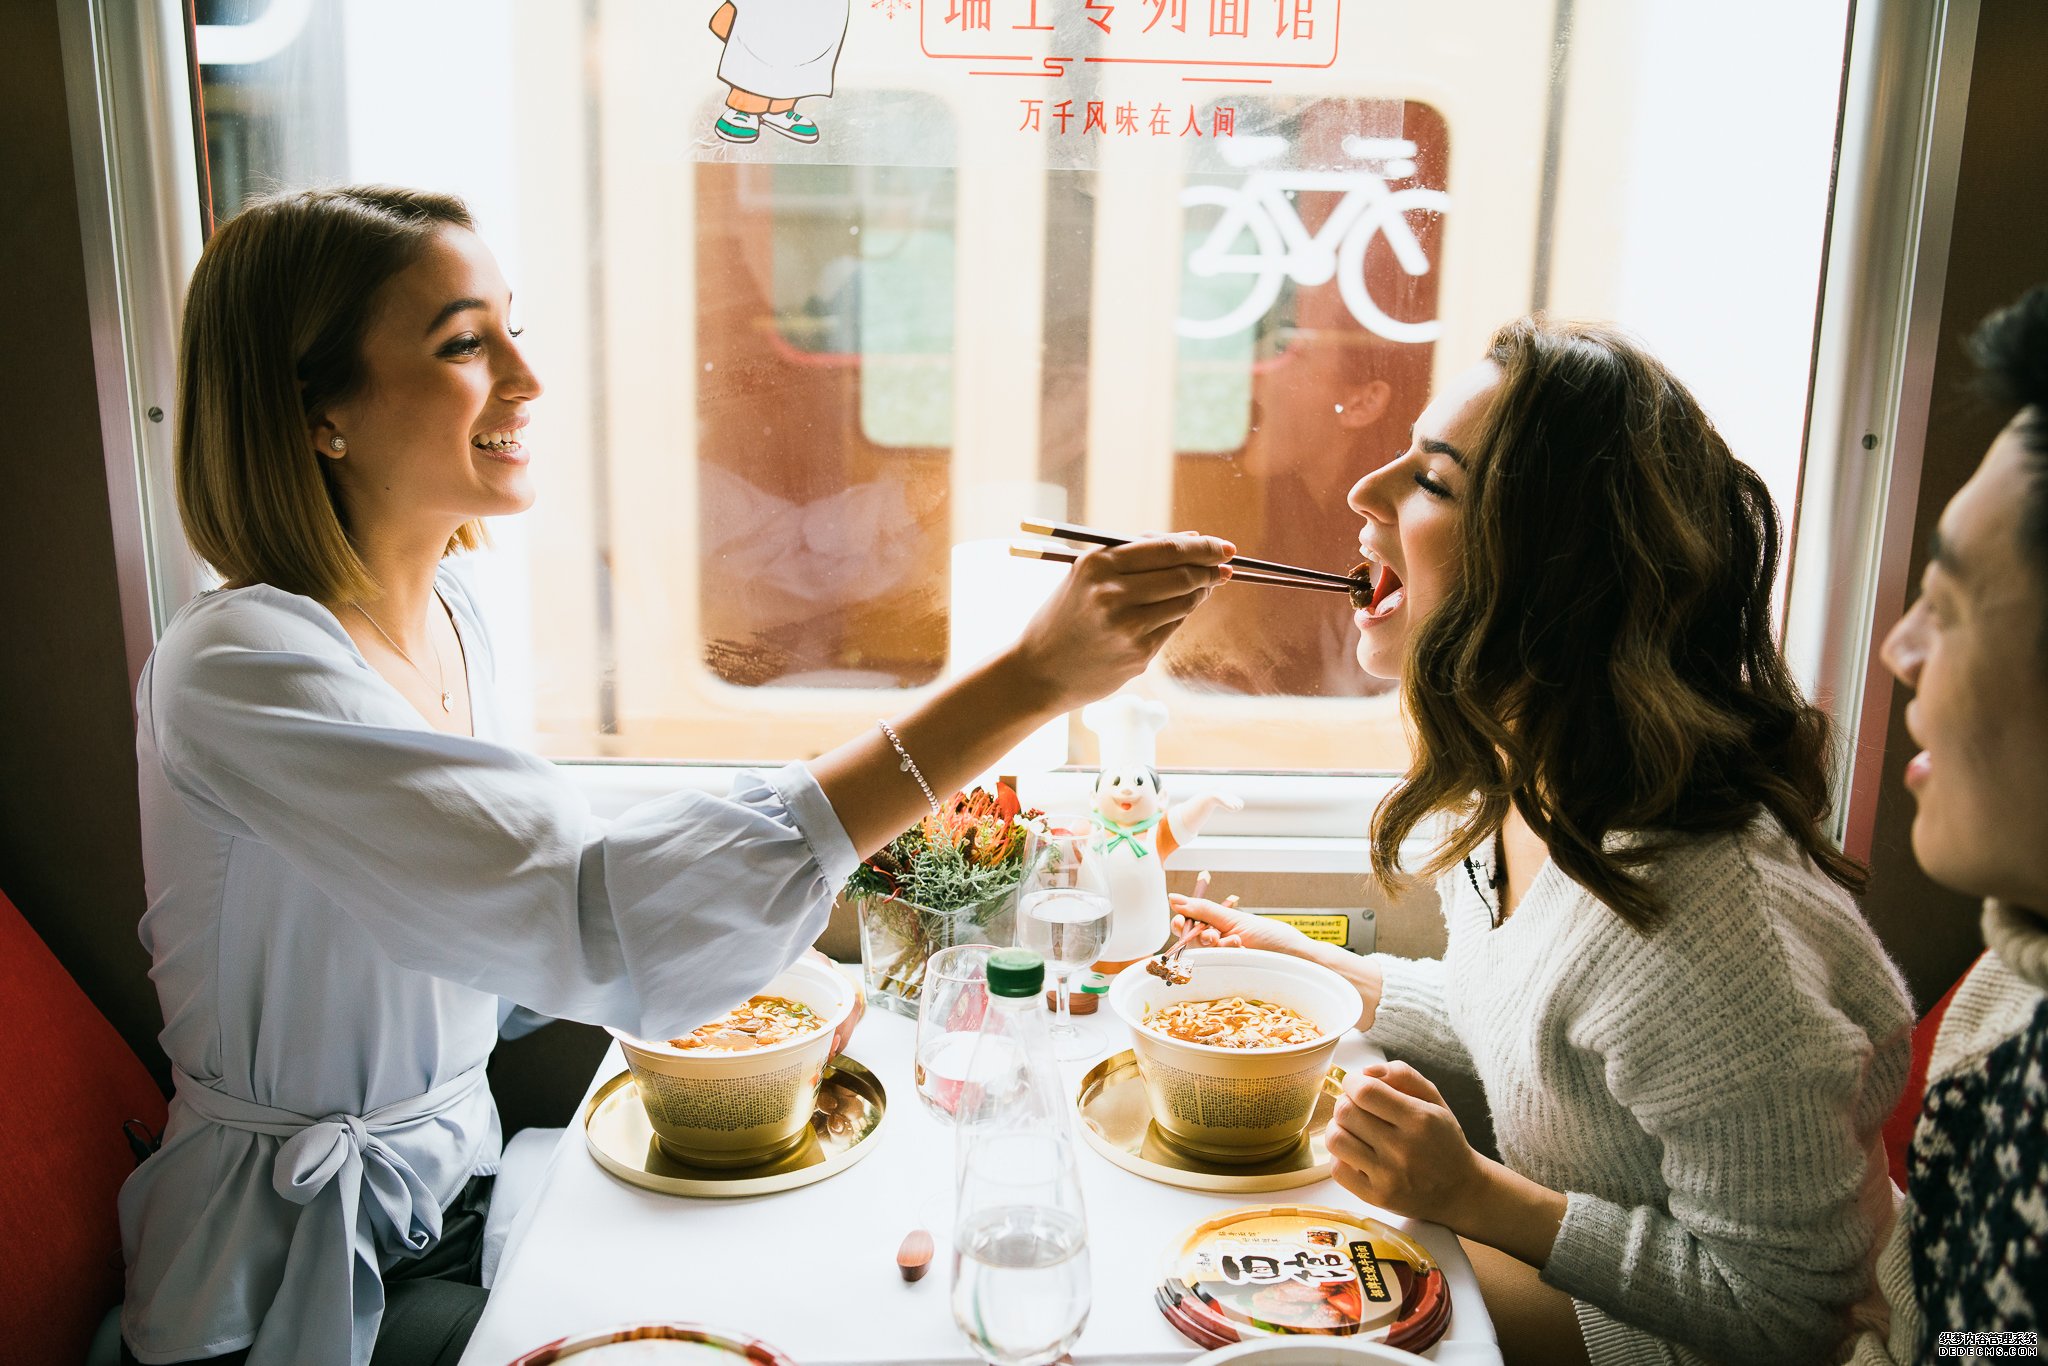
(337, 445)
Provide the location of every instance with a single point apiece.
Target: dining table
(813, 1270)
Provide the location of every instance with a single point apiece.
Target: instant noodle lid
(1284, 1270)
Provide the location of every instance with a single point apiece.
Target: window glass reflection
(1307, 322)
(825, 415)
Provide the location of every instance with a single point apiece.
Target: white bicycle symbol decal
(1281, 247)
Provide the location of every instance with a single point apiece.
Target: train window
(1131, 262)
(825, 414)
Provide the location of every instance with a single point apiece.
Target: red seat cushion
(67, 1083)
(1898, 1130)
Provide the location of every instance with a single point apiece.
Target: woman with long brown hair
(1687, 1035)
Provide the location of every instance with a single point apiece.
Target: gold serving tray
(1116, 1119)
(851, 1103)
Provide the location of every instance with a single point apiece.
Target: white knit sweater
(1708, 1096)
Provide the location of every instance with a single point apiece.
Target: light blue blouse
(338, 897)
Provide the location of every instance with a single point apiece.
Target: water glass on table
(950, 1010)
(1064, 919)
(949, 1014)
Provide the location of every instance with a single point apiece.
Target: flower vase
(898, 937)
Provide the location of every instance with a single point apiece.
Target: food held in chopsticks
(1244, 569)
(762, 1021)
(1233, 1022)
(1168, 967)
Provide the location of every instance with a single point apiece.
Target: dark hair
(2011, 351)
(273, 334)
(1605, 659)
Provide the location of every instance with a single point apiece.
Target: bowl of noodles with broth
(1234, 1058)
(739, 1090)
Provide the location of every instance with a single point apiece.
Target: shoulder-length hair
(273, 334)
(1604, 659)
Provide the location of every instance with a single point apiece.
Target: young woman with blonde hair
(349, 866)
(1687, 1035)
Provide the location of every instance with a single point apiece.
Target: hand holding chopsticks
(1244, 569)
(1109, 617)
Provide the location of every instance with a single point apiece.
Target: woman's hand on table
(1396, 1144)
(1229, 928)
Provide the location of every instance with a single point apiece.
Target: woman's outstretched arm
(1110, 616)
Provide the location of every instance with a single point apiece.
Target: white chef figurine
(1134, 830)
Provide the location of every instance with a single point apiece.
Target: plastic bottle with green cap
(1015, 973)
(1020, 1267)
(1013, 1074)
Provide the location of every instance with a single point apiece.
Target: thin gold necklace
(447, 701)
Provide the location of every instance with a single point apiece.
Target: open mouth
(1378, 591)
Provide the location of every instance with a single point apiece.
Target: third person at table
(1687, 1035)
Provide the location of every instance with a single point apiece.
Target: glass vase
(898, 937)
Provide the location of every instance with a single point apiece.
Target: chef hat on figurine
(1128, 730)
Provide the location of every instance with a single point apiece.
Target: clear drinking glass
(1021, 1284)
(949, 1011)
(1065, 920)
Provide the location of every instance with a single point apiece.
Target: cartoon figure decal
(776, 53)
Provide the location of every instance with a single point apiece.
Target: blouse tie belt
(362, 1202)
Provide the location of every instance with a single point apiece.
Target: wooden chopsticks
(1244, 568)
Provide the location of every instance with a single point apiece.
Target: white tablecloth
(813, 1271)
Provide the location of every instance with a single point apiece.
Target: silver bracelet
(909, 765)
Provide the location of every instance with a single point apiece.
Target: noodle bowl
(1233, 1062)
(715, 1103)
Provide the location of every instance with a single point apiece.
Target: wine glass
(1065, 920)
(949, 1012)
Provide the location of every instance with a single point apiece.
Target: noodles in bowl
(1233, 1022)
(762, 1022)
